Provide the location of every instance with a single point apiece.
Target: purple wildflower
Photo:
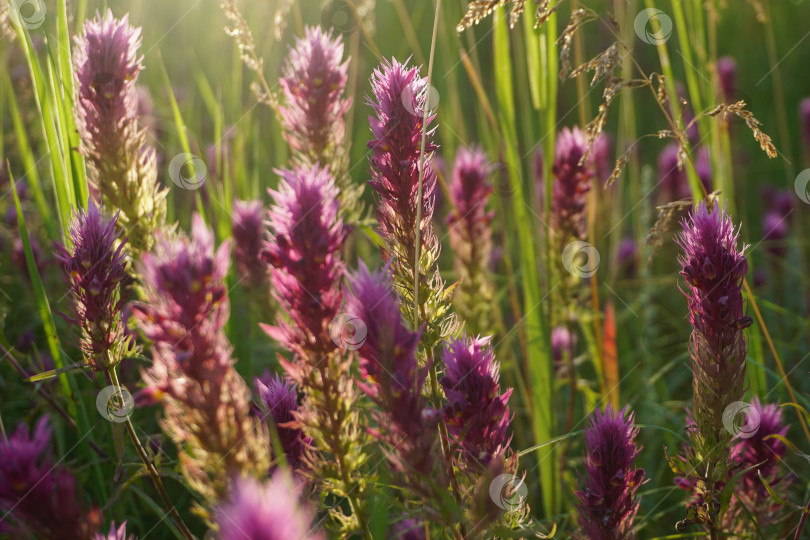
(727, 75)
(563, 342)
(313, 82)
(674, 184)
(268, 511)
(764, 453)
(408, 529)
(626, 257)
(396, 127)
(122, 166)
(206, 402)
(94, 268)
(713, 267)
(607, 491)
(304, 254)
(279, 400)
(37, 496)
(248, 242)
(776, 222)
(391, 375)
(470, 231)
(116, 533)
(477, 413)
(572, 181)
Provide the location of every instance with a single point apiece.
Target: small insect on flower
(94, 268)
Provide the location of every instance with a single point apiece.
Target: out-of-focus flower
(122, 166)
(563, 342)
(206, 402)
(674, 183)
(470, 231)
(607, 490)
(603, 156)
(727, 75)
(393, 380)
(626, 257)
(408, 529)
(279, 400)
(763, 454)
(713, 267)
(248, 242)
(94, 269)
(312, 115)
(399, 101)
(776, 221)
(268, 511)
(572, 181)
(477, 413)
(116, 533)
(38, 497)
(18, 255)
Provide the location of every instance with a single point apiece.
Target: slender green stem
(150, 467)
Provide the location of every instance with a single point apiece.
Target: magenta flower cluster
(476, 413)
(37, 496)
(278, 402)
(607, 488)
(248, 228)
(572, 182)
(94, 268)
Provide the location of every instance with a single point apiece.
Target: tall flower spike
(470, 231)
(248, 241)
(38, 498)
(400, 98)
(279, 400)
(123, 167)
(94, 268)
(713, 267)
(393, 380)
(268, 511)
(607, 490)
(206, 402)
(314, 84)
(572, 181)
(304, 255)
(303, 252)
(477, 413)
